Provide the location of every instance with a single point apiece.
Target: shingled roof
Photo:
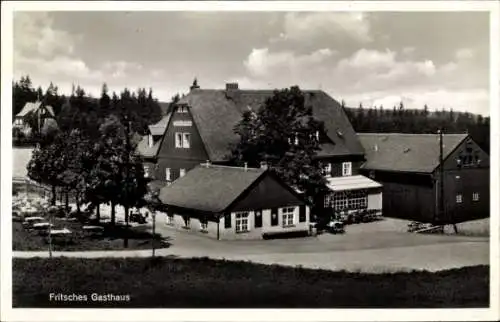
(216, 112)
(33, 106)
(158, 131)
(406, 152)
(209, 189)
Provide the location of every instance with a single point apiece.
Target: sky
(375, 58)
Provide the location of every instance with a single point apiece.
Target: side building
(407, 165)
(200, 129)
(234, 203)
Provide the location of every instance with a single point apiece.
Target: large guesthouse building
(200, 129)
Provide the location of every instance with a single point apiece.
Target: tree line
(402, 120)
(82, 111)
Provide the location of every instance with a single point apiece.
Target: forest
(80, 110)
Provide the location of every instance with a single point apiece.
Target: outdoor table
(42, 225)
(93, 229)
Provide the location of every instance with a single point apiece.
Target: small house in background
(33, 109)
(234, 203)
(407, 165)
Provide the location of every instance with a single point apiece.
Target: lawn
(205, 283)
(111, 238)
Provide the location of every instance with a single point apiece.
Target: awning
(351, 183)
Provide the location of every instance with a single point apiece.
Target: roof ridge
(204, 166)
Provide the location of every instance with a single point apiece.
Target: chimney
(150, 140)
(195, 85)
(263, 165)
(232, 91)
(231, 86)
(246, 166)
(207, 164)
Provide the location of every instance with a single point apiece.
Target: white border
(9, 314)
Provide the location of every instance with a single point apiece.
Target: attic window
(182, 109)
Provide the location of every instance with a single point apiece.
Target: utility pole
(50, 231)
(126, 123)
(441, 211)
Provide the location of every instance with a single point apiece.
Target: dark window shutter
(258, 218)
(227, 220)
(302, 213)
(274, 217)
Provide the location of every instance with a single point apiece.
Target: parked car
(138, 218)
(336, 227)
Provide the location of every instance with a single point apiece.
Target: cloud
(476, 100)
(464, 54)
(261, 62)
(121, 69)
(303, 26)
(34, 34)
(380, 77)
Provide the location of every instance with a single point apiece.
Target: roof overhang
(356, 182)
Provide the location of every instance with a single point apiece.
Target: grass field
(111, 239)
(204, 283)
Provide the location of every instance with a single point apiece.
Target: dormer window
(327, 169)
(182, 109)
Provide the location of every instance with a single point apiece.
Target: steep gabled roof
(406, 152)
(216, 112)
(160, 127)
(33, 106)
(210, 189)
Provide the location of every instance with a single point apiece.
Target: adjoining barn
(234, 203)
(407, 165)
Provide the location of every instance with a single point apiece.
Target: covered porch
(353, 195)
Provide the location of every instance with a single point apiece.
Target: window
(227, 220)
(274, 217)
(475, 196)
(258, 218)
(350, 200)
(182, 109)
(178, 140)
(346, 169)
(302, 213)
(182, 172)
(146, 171)
(168, 176)
(182, 140)
(327, 201)
(288, 216)
(241, 222)
(459, 198)
(327, 169)
(186, 140)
